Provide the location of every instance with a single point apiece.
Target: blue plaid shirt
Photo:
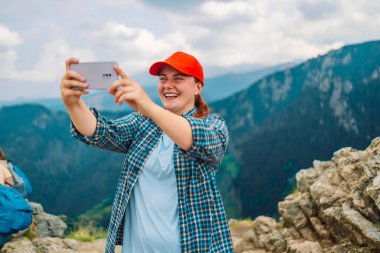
(202, 220)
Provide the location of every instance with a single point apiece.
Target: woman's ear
(199, 87)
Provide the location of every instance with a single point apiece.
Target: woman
(167, 199)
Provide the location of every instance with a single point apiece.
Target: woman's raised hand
(129, 91)
(69, 80)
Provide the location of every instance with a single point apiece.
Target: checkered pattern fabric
(203, 223)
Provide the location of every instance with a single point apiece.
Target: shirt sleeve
(114, 135)
(210, 139)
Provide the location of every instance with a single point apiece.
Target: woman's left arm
(175, 126)
(205, 138)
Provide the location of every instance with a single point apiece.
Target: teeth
(171, 95)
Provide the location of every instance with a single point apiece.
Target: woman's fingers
(115, 86)
(120, 72)
(124, 97)
(121, 91)
(70, 61)
(70, 74)
(74, 83)
(71, 92)
(123, 81)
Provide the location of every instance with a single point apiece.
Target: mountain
(289, 118)
(64, 180)
(216, 88)
(223, 86)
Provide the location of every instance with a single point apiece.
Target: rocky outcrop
(45, 235)
(335, 208)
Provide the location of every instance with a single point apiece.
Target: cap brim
(156, 68)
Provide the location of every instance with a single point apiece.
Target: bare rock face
(336, 208)
(44, 236)
(47, 225)
(19, 245)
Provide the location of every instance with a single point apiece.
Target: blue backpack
(22, 183)
(15, 213)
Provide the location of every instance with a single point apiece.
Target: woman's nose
(169, 83)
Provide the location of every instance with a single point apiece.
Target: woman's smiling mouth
(171, 95)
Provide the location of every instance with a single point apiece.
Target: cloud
(318, 9)
(50, 66)
(177, 4)
(225, 10)
(223, 34)
(267, 32)
(138, 47)
(8, 38)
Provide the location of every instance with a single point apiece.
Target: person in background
(15, 212)
(167, 199)
(6, 177)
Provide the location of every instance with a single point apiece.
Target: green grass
(87, 233)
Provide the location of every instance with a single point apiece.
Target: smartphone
(98, 75)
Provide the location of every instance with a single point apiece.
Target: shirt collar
(190, 112)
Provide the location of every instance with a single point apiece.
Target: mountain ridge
(314, 108)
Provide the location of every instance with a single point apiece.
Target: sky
(226, 36)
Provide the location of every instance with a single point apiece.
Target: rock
(328, 190)
(336, 208)
(274, 242)
(304, 247)
(47, 232)
(319, 228)
(291, 212)
(71, 243)
(249, 242)
(350, 247)
(47, 225)
(369, 230)
(373, 190)
(19, 245)
(51, 245)
(305, 178)
(264, 225)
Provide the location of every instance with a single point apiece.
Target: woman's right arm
(82, 118)
(87, 124)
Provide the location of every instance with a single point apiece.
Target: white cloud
(139, 47)
(270, 31)
(50, 66)
(225, 10)
(222, 34)
(8, 38)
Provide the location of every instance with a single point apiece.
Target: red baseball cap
(184, 63)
